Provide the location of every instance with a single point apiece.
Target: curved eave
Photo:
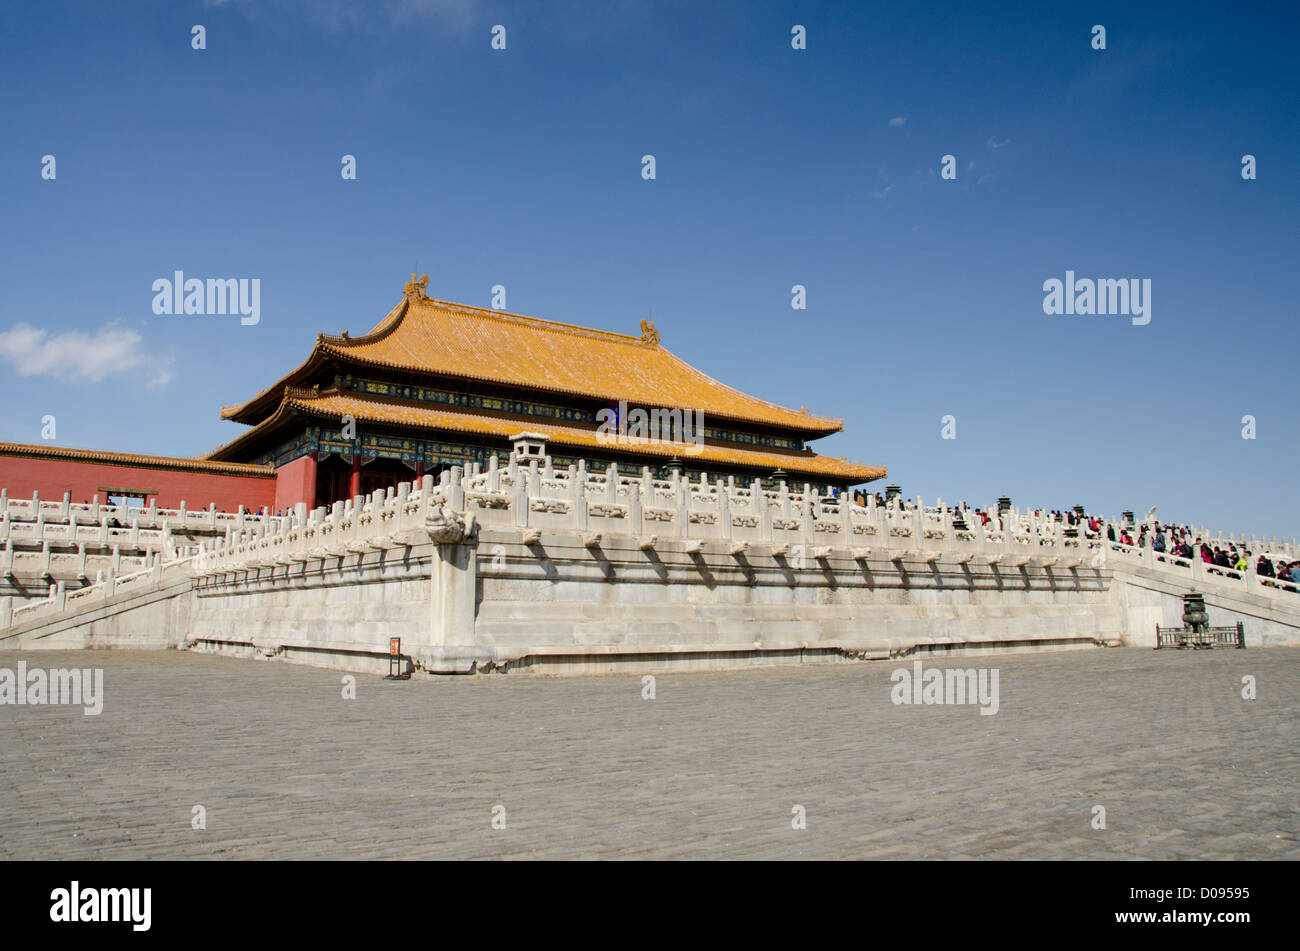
(282, 412)
(256, 410)
(494, 426)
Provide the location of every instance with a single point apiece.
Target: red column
(309, 481)
(356, 477)
(419, 471)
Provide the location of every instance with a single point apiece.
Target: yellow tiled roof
(474, 343)
(134, 459)
(336, 404)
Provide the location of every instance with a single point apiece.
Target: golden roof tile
(440, 337)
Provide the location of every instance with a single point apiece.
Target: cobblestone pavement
(711, 768)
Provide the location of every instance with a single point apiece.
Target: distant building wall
(166, 487)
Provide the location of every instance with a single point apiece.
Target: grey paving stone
(288, 769)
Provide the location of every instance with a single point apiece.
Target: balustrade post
(532, 480)
(456, 490)
(1250, 578)
(764, 512)
(683, 499)
(403, 493)
(578, 514)
(358, 506)
(635, 511)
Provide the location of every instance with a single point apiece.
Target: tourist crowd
(1167, 541)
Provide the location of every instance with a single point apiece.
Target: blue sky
(775, 167)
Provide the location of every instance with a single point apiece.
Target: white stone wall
(572, 572)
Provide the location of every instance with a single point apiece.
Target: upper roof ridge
(540, 323)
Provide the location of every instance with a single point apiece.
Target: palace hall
(437, 384)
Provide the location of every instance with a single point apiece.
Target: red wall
(296, 482)
(23, 475)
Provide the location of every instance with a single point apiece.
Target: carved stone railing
(35, 524)
(785, 522)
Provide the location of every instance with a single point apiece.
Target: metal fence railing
(1182, 637)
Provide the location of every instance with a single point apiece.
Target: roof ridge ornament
(415, 288)
(649, 336)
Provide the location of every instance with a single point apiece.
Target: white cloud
(995, 143)
(898, 120)
(75, 356)
(883, 193)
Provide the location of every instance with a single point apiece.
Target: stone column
(309, 476)
(452, 645)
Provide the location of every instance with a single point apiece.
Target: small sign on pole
(395, 660)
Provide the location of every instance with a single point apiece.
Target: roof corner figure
(415, 288)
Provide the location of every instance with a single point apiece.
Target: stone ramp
(149, 610)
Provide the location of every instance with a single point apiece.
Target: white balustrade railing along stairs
(786, 522)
